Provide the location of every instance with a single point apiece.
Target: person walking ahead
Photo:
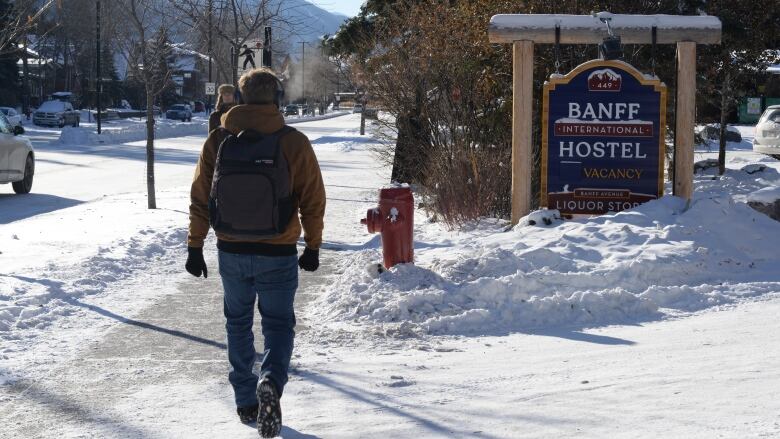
(256, 182)
(226, 99)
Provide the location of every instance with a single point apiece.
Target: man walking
(226, 99)
(257, 182)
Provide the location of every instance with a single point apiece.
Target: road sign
(603, 133)
(249, 56)
(211, 88)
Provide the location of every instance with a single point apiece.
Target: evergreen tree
(112, 88)
(732, 69)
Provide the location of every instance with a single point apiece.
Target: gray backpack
(251, 197)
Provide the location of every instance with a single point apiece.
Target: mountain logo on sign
(604, 80)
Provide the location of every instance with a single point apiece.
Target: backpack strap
(281, 132)
(250, 134)
(284, 130)
(226, 136)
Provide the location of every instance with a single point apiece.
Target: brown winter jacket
(305, 181)
(215, 118)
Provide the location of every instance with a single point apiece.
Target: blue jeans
(273, 281)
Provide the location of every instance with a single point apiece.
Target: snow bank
(659, 259)
(766, 195)
(291, 120)
(44, 270)
(131, 132)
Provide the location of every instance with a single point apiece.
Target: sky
(350, 8)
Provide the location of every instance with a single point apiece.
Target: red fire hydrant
(394, 218)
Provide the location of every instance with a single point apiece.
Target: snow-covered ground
(658, 322)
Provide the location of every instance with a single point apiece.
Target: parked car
(199, 107)
(767, 138)
(17, 158)
(358, 108)
(291, 110)
(181, 112)
(12, 115)
(56, 113)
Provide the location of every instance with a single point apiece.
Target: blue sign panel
(603, 129)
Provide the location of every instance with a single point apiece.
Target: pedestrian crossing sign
(249, 55)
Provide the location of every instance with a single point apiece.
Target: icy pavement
(161, 372)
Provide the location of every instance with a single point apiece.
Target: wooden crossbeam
(589, 29)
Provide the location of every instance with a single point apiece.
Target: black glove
(195, 262)
(309, 260)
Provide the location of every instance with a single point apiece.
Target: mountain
(307, 22)
(314, 21)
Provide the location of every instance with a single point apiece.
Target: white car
(12, 115)
(17, 158)
(767, 139)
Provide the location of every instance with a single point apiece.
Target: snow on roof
(181, 49)
(33, 57)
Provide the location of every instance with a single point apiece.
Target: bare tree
(147, 51)
(231, 24)
(20, 20)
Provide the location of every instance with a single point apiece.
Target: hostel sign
(603, 129)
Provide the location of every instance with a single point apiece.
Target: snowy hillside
(310, 22)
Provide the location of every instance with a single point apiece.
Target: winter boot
(247, 415)
(269, 415)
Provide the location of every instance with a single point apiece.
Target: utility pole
(98, 81)
(234, 63)
(25, 80)
(211, 12)
(267, 49)
(303, 71)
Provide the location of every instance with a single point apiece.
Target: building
(189, 71)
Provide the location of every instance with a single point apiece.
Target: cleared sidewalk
(159, 374)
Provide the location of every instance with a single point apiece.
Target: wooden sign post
(525, 30)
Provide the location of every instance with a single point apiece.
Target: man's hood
(264, 118)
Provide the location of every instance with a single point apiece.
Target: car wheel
(25, 185)
(62, 123)
(776, 156)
